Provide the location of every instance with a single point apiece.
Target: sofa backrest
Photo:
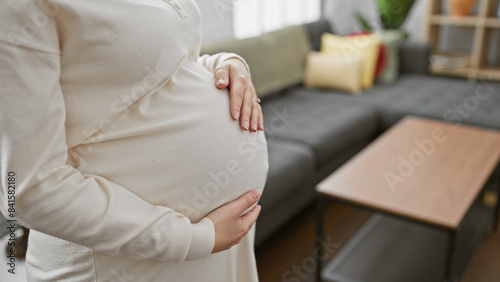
(276, 59)
(414, 57)
(315, 30)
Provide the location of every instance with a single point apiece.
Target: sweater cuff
(202, 239)
(228, 56)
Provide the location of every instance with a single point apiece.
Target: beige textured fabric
(334, 72)
(121, 142)
(367, 46)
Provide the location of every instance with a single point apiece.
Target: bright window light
(254, 17)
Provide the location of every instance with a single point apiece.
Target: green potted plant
(392, 15)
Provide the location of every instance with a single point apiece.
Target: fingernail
(245, 125)
(256, 193)
(254, 127)
(262, 127)
(220, 81)
(236, 115)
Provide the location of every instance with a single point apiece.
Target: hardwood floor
(288, 255)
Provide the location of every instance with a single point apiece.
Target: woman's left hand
(245, 105)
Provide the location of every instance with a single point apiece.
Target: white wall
(254, 17)
(216, 20)
(225, 19)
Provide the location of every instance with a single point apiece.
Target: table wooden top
(426, 170)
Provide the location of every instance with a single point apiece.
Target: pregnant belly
(180, 148)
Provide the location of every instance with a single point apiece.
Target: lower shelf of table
(389, 249)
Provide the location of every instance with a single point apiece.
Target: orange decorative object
(460, 7)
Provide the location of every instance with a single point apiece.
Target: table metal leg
(320, 215)
(497, 207)
(451, 253)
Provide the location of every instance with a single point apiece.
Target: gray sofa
(311, 132)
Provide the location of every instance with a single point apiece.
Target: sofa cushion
(327, 126)
(449, 99)
(366, 45)
(332, 71)
(276, 59)
(443, 98)
(291, 167)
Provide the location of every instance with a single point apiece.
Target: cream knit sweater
(120, 142)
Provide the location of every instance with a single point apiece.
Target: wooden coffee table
(419, 171)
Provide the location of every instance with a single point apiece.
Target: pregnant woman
(128, 162)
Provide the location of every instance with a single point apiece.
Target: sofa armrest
(414, 57)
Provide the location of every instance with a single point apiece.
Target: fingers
(222, 81)
(236, 95)
(222, 76)
(230, 227)
(251, 118)
(233, 73)
(245, 201)
(261, 119)
(254, 120)
(246, 112)
(250, 217)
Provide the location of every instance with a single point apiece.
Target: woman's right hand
(230, 225)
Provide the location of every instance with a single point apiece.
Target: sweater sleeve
(212, 61)
(53, 197)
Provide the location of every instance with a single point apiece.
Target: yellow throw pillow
(334, 71)
(349, 46)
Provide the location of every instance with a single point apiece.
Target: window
(254, 17)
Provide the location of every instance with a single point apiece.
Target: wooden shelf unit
(483, 23)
